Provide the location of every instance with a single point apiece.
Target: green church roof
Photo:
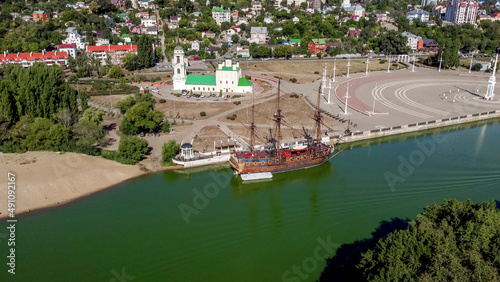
(294, 40)
(244, 82)
(194, 79)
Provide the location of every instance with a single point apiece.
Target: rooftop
(195, 79)
(317, 41)
(244, 82)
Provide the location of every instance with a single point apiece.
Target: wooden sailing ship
(279, 158)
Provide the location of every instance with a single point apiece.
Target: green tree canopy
(454, 241)
(132, 148)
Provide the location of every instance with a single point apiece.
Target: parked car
(184, 92)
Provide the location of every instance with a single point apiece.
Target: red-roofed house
(136, 29)
(316, 46)
(116, 52)
(68, 48)
(40, 16)
(28, 59)
(354, 32)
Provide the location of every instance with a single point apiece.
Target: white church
(227, 77)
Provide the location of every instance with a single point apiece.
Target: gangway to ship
(256, 176)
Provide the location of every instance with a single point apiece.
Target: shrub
(203, 114)
(237, 102)
(382, 61)
(232, 117)
(165, 128)
(168, 151)
(293, 80)
(294, 95)
(162, 101)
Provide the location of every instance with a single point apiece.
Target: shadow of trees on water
(342, 266)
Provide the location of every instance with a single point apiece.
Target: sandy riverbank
(45, 179)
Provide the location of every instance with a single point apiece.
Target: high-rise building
(462, 11)
(429, 2)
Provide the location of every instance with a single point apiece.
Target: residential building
(439, 11)
(148, 22)
(316, 46)
(356, 12)
(429, 2)
(116, 52)
(142, 15)
(295, 3)
(346, 4)
(268, 20)
(27, 18)
(256, 6)
(415, 42)
(295, 42)
(15, 15)
(295, 20)
(195, 45)
(243, 51)
(102, 41)
(40, 16)
(235, 15)
(118, 3)
(382, 17)
(462, 11)
(422, 15)
(73, 37)
(207, 34)
(27, 59)
(70, 49)
(258, 34)
(353, 32)
(213, 51)
(151, 30)
(220, 15)
(430, 45)
(126, 38)
(136, 29)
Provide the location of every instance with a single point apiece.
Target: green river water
(262, 231)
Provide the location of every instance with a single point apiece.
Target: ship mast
(277, 118)
(252, 125)
(318, 117)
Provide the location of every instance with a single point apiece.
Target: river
(208, 226)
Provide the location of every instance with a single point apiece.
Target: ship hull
(280, 165)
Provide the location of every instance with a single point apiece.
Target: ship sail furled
(280, 158)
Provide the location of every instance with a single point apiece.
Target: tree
(393, 42)
(165, 128)
(454, 241)
(125, 104)
(477, 66)
(143, 117)
(145, 51)
(235, 38)
(132, 148)
(131, 62)
(115, 72)
(169, 150)
(128, 4)
(93, 116)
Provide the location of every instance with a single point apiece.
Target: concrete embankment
(409, 128)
